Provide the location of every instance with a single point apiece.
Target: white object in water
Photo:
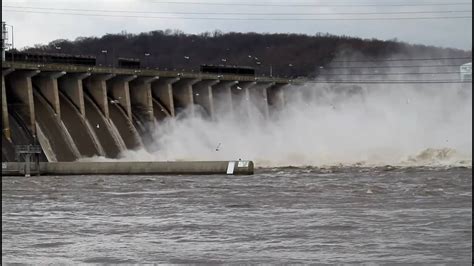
(97, 126)
(466, 72)
(243, 163)
(230, 168)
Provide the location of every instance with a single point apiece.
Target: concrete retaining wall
(133, 168)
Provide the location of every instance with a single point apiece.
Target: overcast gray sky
(39, 22)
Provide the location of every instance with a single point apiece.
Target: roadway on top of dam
(69, 68)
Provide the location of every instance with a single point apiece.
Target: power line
(241, 19)
(315, 2)
(308, 5)
(392, 82)
(391, 74)
(406, 66)
(237, 13)
(403, 59)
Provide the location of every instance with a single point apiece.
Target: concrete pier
(54, 131)
(133, 168)
(141, 97)
(222, 97)
(21, 87)
(119, 91)
(5, 121)
(202, 93)
(47, 83)
(79, 129)
(276, 98)
(259, 97)
(124, 127)
(71, 85)
(107, 135)
(162, 90)
(183, 94)
(241, 98)
(96, 85)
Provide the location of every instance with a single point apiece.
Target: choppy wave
(438, 157)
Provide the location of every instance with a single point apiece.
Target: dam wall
(75, 112)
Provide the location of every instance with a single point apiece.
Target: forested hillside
(280, 54)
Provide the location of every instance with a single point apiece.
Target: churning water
(279, 215)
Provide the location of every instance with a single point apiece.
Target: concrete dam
(74, 111)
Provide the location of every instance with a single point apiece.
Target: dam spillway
(74, 111)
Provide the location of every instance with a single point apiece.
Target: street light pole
(4, 38)
(113, 58)
(105, 54)
(13, 41)
(146, 60)
(13, 44)
(187, 59)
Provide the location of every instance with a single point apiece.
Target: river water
(279, 215)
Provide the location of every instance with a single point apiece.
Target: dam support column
(71, 85)
(142, 108)
(120, 110)
(47, 83)
(120, 92)
(162, 91)
(73, 114)
(5, 122)
(222, 98)
(259, 97)
(98, 114)
(241, 98)
(183, 95)
(276, 98)
(22, 88)
(97, 88)
(202, 93)
(141, 97)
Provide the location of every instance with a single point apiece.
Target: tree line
(279, 54)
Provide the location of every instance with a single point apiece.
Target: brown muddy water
(279, 215)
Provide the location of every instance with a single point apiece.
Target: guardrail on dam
(79, 111)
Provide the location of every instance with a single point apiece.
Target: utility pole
(4, 34)
(4, 39)
(146, 60)
(113, 59)
(105, 53)
(5, 43)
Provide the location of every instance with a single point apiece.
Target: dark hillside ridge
(284, 55)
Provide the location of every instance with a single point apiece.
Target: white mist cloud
(378, 125)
